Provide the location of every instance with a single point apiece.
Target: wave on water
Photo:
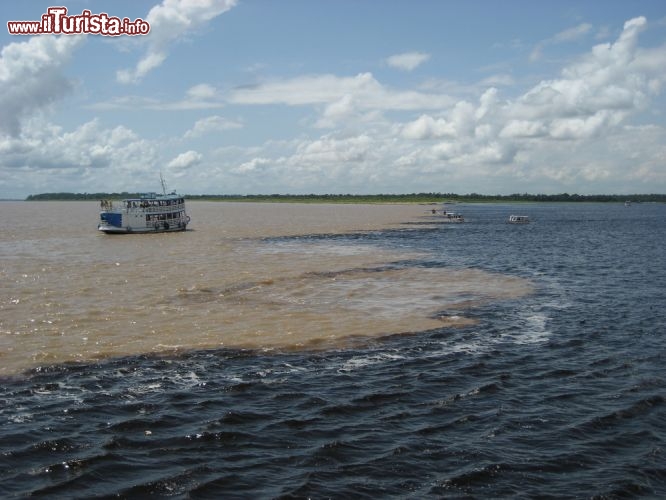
(557, 392)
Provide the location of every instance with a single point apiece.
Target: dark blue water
(561, 394)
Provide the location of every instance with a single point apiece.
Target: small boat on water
(519, 219)
(447, 216)
(453, 217)
(147, 213)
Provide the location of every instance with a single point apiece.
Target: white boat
(453, 217)
(448, 216)
(519, 219)
(148, 213)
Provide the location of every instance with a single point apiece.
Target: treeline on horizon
(371, 198)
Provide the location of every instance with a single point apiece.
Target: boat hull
(452, 218)
(519, 219)
(108, 229)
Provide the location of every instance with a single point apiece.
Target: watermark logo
(56, 22)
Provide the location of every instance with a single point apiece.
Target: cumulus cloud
(425, 126)
(460, 122)
(53, 159)
(252, 166)
(407, 61)
(329, 150)
(594, 94)
(211, 124)
(568, 132)
(185, 160)
(523, 129)
(31, 77)
(338, 110)
(516, 141)
(555, 136)
(169, 21)
(604, 86)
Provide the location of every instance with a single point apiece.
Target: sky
(344, 96)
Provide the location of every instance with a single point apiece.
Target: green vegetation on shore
(372, 198)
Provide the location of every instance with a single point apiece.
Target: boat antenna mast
(163, 182)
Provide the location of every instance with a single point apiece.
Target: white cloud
(252, 166)
(427, 127)
(498, 80)
(185, 160)
(568, 35)
(523, 128)
(45, 158)
(169, 21)
(594, 95)
(459, 123)
(566, 132)
(202, 96)
(202, 91)
(516, 142)
(553, 137)
(338, 110)
(149, 62)
(31, 77)
(407, 61)
(212, 124)
(363, 89)
(571, 34)
(329, 150)
(609, 61)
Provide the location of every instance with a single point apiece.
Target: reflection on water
(69, 293)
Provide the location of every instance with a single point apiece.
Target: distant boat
(453, 217)
(149, 213)
(519, 219)
(627, 203)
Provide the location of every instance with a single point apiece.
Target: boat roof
(154, 196)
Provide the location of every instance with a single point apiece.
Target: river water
(294, 351)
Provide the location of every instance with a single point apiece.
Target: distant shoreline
(423, 198)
